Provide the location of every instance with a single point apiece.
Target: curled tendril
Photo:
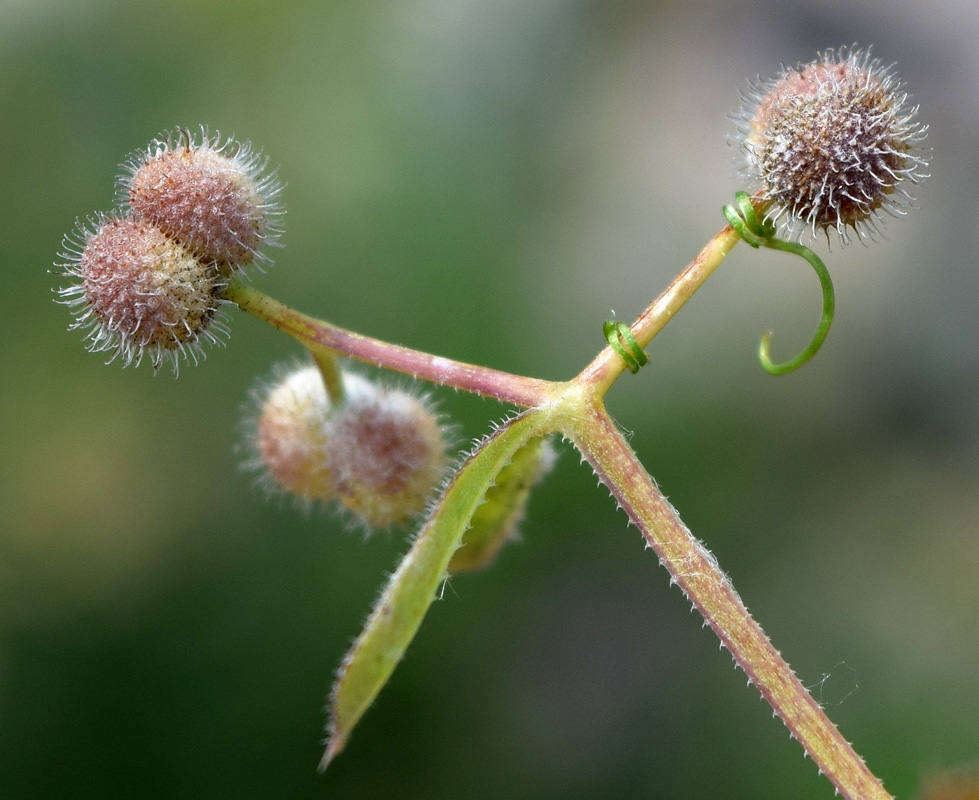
(622, 341)
(761, 233)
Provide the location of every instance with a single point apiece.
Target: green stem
(825, 321)
(752, 226)
(608, 365)
(329, 366)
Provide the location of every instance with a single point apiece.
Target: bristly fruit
(213, 197)
(386, 452)
(290, 437)
(140, 292)
(379, 452)
(832, 143)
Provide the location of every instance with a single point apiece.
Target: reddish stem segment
(703, 582)
(316, 335)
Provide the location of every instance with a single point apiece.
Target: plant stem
(606, 367)
(577, 410)
(329, 366)
(324, 341)
(696, 571)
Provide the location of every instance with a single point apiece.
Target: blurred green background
(489, 181)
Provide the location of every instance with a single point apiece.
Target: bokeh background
(489, 181)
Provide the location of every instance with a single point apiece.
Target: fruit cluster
(150, 274)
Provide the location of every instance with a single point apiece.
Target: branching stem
(576, 409)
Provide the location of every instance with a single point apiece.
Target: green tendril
(744, 220)
(761, 233)
(620, 338)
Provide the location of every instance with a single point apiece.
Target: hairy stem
(696, 571)
(608, 365)
(580, 414)
(324, 341)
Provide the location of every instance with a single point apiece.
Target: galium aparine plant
(828, 146)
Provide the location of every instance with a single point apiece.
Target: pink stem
(696, 571)
(317, 336)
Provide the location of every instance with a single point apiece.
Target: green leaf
(495, 521)
(411, 589)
